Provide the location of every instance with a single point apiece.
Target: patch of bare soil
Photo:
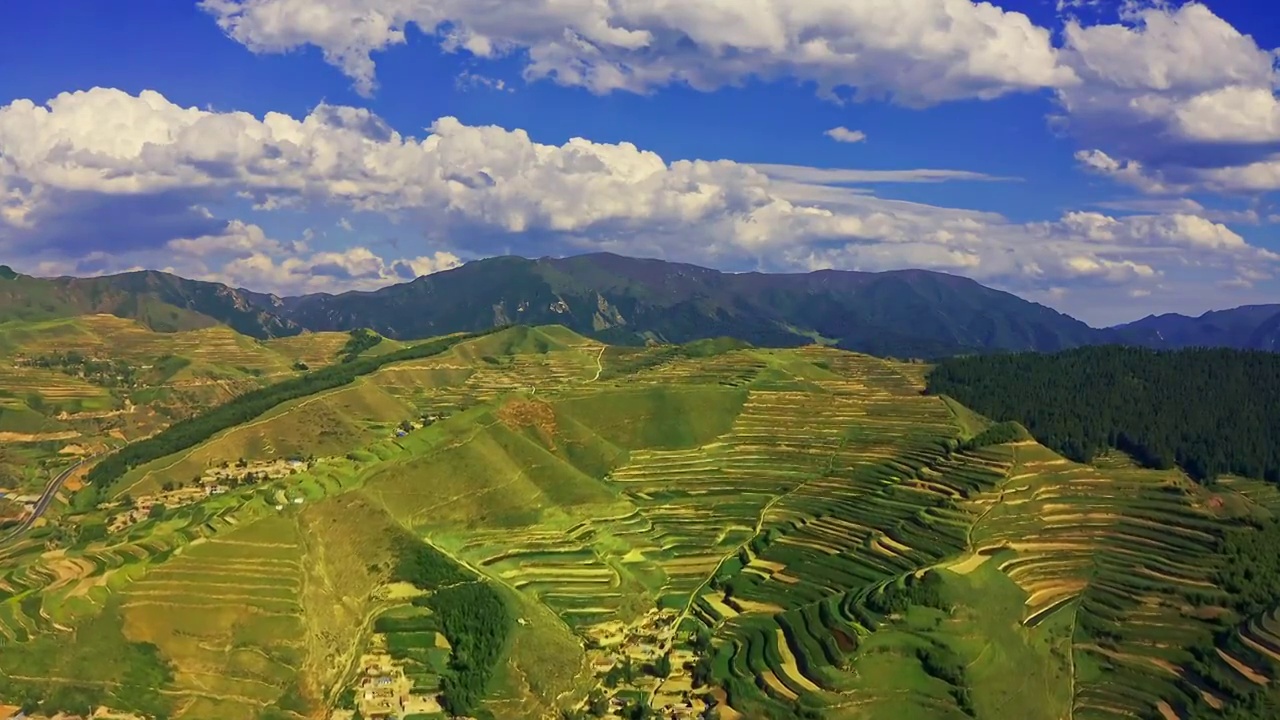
(1249, 673)
(17, 437)
(522, 414)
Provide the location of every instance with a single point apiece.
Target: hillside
(622, 300)
(75, 386)
(1209, 411)
(1251, 327)
(160, 301)
(775, 533)
(627, 300)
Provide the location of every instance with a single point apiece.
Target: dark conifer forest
(1208, 411)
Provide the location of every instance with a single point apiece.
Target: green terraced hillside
(531, 524)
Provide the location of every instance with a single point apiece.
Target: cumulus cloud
(471, 189)
(243, 255)
(917, 53)
(1173, 99)
(1169, 99)
(843, 134)
(356, 268)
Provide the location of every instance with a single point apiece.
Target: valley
(526, 522)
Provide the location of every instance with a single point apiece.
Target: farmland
(696, 529)
(81, 385)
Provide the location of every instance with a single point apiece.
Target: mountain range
(903, 313)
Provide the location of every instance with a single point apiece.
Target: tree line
(194, 430)
(1248, 569)
(1209, 411)
(359, 340)
(471, 614)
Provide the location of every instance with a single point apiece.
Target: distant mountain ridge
(904, 313)
(627, 300)
(1249, 327)
(159, 300)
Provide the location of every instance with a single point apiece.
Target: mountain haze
(1250, 327)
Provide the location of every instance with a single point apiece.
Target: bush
(361, 339)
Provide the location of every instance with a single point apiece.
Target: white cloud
(845, 135)
(356, 268)
(832, 176)
(918, 53)
(1184, 206)
(242, 255)
(1171, 231)
(1173, 99)
(470, 81)
(1170, 99)
(99, 155)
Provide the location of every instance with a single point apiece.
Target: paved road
(50, 491)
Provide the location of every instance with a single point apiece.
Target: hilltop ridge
(630, 301)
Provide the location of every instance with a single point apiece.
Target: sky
(1108, 158)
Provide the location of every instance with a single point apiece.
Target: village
(382, 691)
(216, 480)
(643, 657)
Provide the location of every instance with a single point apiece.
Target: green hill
(529, 523)
(621, 300)
(628, 300)
(160, 301)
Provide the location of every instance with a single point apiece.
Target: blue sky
(1110, 159)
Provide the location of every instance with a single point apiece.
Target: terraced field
(796, 533)
(228, 612)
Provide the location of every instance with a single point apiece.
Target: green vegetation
(361, 340)
(471, 614)
(998, 434)
(1210, 412)
(190, 432)
(107, 373)
(1250, 569)
(95, 666)
(535, 525)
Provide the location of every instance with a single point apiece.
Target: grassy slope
(180, 373)
(590, 501)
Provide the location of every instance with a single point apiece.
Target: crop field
(172, 375)
(330, 423)
(798, 533)
(226, 611)
(314, 349)
(110, 336)
(53, 388)
(1121, 550)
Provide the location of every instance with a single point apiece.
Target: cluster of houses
(408, 426)
(215, 481)
(229, 473)
(638, 647)
(383, 692)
